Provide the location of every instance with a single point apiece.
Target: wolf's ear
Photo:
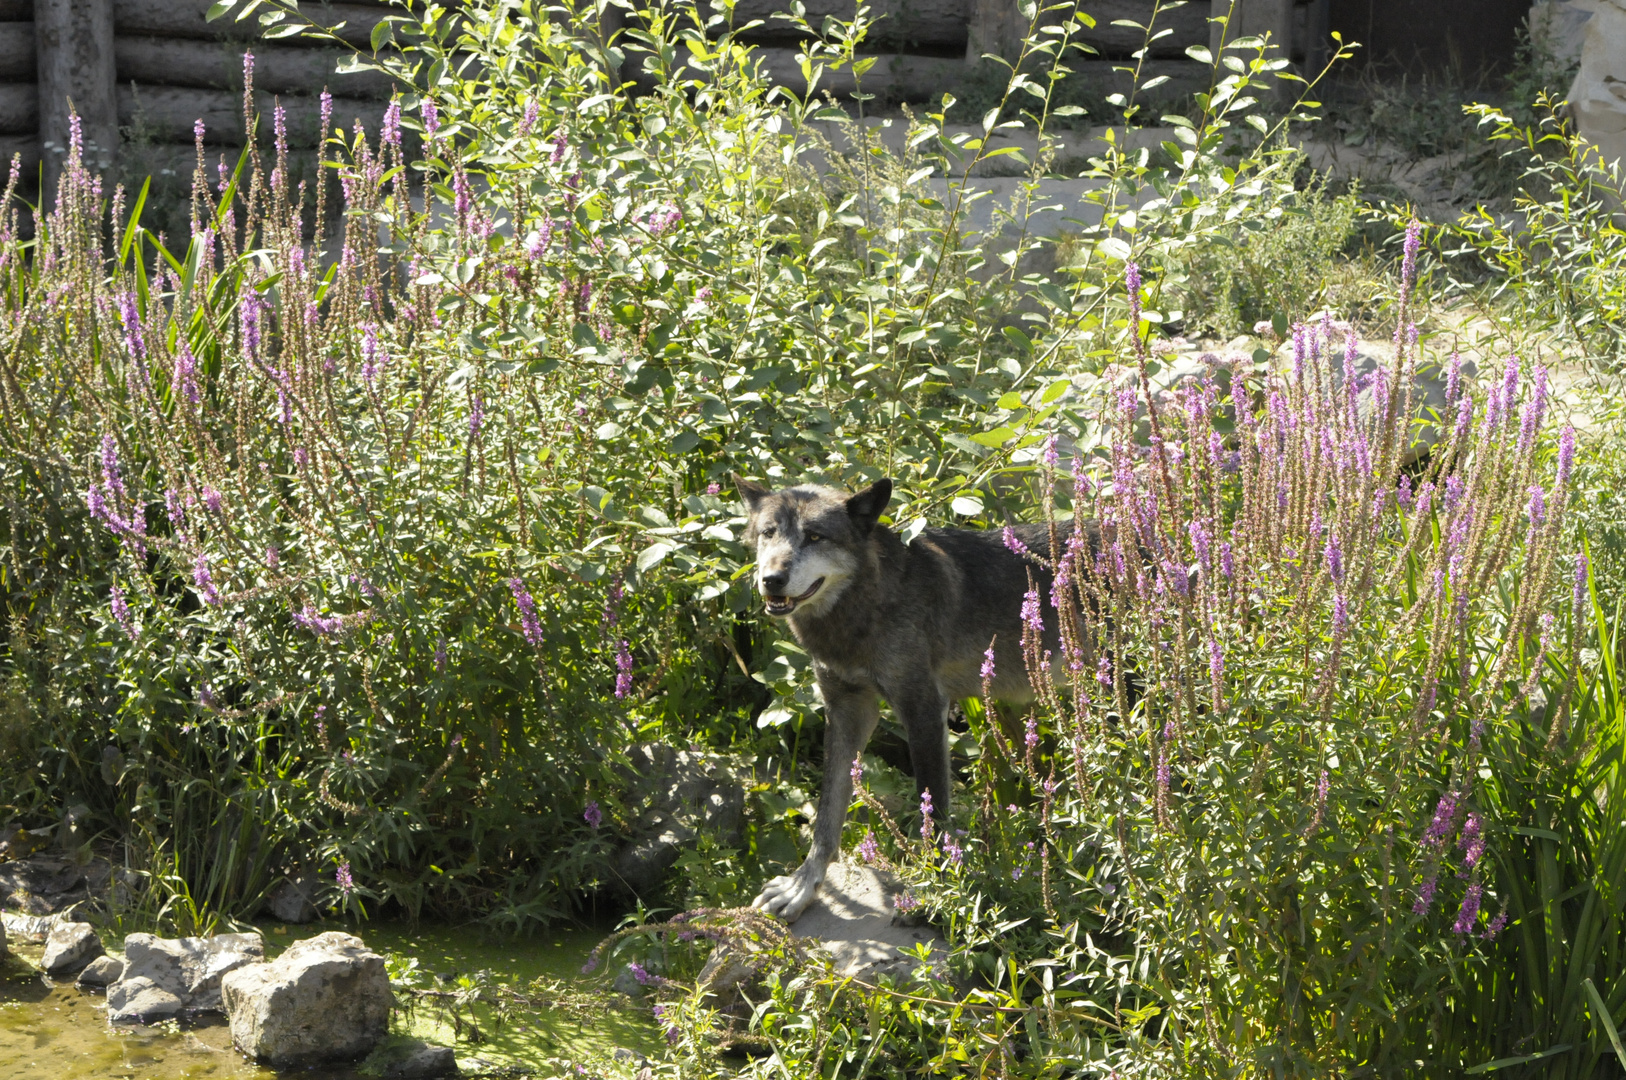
(866, 507)
(751, 493)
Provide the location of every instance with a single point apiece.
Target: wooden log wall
(150, 68)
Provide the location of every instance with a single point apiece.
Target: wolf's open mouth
(784, 605)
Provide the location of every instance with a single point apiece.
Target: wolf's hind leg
(924, 712)
(850, 715)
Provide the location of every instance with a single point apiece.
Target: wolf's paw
(787, 897)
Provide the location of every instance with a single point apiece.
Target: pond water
(55, 1032)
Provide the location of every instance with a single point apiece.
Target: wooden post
(994, 26)
(1247, 18)
(74, 39)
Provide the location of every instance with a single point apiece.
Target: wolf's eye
(768, 532)
(812, 537)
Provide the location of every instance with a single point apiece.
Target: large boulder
(326, 999)
(189, 969)
(675, 795)
(854, 917)
(401, 1058)
(69, 947)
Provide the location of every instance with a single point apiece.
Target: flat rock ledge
(326, 999)
(854, 918)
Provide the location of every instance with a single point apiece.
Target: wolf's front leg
(851, 712)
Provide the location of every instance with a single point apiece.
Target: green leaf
(381, 34)
(653, 554)
(997, 437)
(966, 506)
(1600, 1014)
(216, 10)
(1019, 338)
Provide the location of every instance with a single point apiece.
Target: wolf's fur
(908, 623)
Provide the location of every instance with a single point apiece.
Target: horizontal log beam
(904, 77)
(28, 146)
(185, 19)
(20, 109)
(899, 24)
(18, 59)
(218, 65)
(165, 114)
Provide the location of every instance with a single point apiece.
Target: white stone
(326, 999)
(69, 947)
(190, 968)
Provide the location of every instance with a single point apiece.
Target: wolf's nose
(775, 583)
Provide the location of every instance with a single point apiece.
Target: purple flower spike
(868, 849)
(988, 665)
(343, 878)
(530, 624)
(594, 818)
(431, 119)
(1468, 915)
(1014, 543)
(121, 612)
(623, 671)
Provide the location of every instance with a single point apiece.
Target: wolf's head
(808, 541)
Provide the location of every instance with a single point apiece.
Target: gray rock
(627, 983)
(853, 918)
(326, 999)
(190, 968)
(69, 947)
(28, 929)
(103, 971)
(678, 795)
(3, 947)
(293, 901)
(46, 884)
(401, 1058)
(140, 1001)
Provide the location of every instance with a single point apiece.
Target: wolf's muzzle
(780, 606)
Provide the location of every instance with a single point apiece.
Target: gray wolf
(882, 619)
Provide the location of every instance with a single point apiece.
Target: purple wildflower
(477, 415)
(558, 154)
(205, 582)
(273, 558)
(988, 666)
(593, 815)
(373, 358)
(1425, 896)
(857, 770)
(1014, 542)
(623, 671)
(211, 499)
(639, 972)
(868, 849)
(905, 902)
(1032, 614)
(714, 488)
(1445, 820)
(1566, 456)
(431, 119)
(343, 878)
(528, 121)
(1216, 661)
(1468, 915)
(529, 622)
(1340, 614)
(1335, 559)
(952, 848)
(1473, 841)
(926, 815)
(121, 612)
(440, 654)
(1495, 927)
(1030, 737)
